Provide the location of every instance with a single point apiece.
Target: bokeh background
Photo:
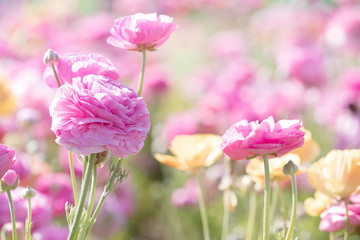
(229, 60)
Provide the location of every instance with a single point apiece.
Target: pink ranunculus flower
(7, 159)
(248, 140)
(95, 114)
(333, 219)
(73, 65)
(141, 31)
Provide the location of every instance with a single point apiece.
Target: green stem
(84, 230)
(294, 206)
(73, 180)
(252, 215)
(203, 210)
(12, 213)
(55, 74)
(225, 226)
(88, 166)
(141, 79)
(282, 204)
(105, 193)
(28, 222)
(266, 222)
(346, 234)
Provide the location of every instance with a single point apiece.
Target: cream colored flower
(315, 206)
(255, 168)
(337, 174)
(192, 151)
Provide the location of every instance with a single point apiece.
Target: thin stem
(141, 78)
(346, 233)
(84, 188)
(225, 226)
(73, 180)
(331, 236)
(294, 206)
(203, 210)
(97, 210)
(266, 221)
(252, 215)
(28, 222)
(55, 74)
(282, 204)
(12, 213)
(91, 204)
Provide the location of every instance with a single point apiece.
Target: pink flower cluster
(7, 159)
(95, 114)
(247, 140)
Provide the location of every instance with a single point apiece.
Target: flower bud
(6, 231)
(9, 181)
(290, 168)
(51, 57)
(28, 193)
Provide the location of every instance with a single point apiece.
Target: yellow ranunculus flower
(7, 100)
(192, 151)
(337, 174)
(309, 150)
(315, 206)
(255, 168)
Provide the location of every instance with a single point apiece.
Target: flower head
(7, 159)
(74, 65)
(248, 140)
(315, 206)
(95, 114)
(192, 151)
(337, 174)
(141, 31)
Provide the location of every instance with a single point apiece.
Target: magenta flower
(10, 179)
(248, 140)
(73, 65)
(7, 159)
(95, 114)
(141, 31)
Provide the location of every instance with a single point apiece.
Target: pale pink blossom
(95, 114)
(247, 140)
(51, 233)
(74, 65)
(7, 159)
(333, 219)
(141, 31)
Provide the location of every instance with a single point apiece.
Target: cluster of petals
(73, 65)
(7, 159)
(141, 31)
(94, 114)
(337, 174)
(192, 151)
(246, 140)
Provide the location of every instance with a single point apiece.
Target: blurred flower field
(228, 85)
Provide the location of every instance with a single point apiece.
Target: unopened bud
(290, 168)
(28, 193)
(9, 181)
(50, 57)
